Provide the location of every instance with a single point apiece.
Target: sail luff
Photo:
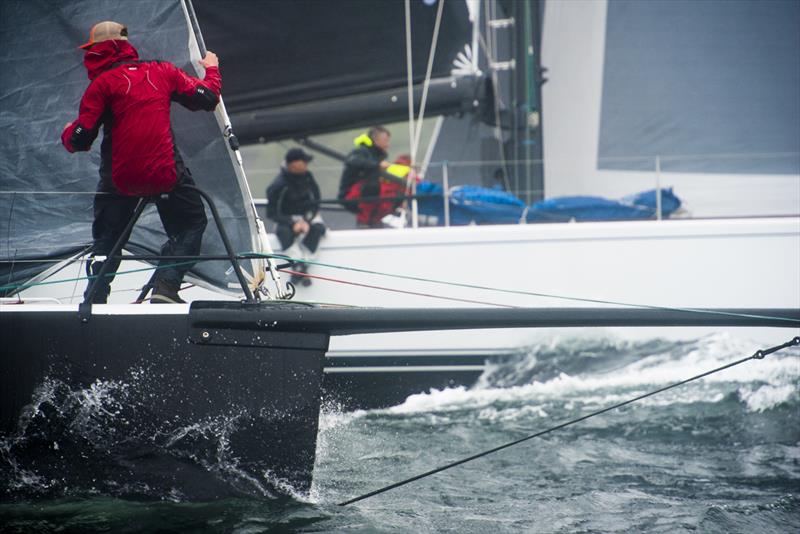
(259, 239)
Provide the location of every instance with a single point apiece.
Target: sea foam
(762, 383)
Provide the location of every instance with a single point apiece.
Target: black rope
(758, 355)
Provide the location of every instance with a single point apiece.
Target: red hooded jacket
(131, 99)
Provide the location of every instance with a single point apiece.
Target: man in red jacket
(130, 99)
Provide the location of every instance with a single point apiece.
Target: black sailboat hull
(152, 401)
(149, 405)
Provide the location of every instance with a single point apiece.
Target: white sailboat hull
(745, 262)
(711, 263)
(703, 263)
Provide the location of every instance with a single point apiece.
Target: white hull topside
(702, 263)
(711, 263)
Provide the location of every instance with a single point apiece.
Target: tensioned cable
(250, 255)
(51, 282)
(43, 260)
(624, 158)
(410, 81)
(54, 193)
(418, 279)
(393, 290)
(758, 355)
(8, 233)
(526, 293)
(426, 84)
(20, 300)
(416, 133)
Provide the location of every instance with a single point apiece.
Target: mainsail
(46, 193)
(304, 67)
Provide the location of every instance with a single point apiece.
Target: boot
(103, 285)
(299, 278)
(166, 292)
(100, 296)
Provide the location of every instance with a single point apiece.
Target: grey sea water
(718, 455)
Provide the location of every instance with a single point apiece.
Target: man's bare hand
(385, 164)
(66, 126)
(300, 227)
(211, 60)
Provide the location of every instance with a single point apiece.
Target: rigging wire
(758, 355)
(81, 268)
(420, 279)
(24, 285)
(393, 290)
(34, 192)
(417, 133)
(412, 128)
(8, 238)
(410, 83)
(427, 82)
(252, 255)
(522, 292)
(8, 232)
(622, 158)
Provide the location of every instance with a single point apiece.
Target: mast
(513, 43)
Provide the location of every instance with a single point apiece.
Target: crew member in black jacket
(293, 202)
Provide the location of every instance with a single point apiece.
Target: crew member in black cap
(293, 203)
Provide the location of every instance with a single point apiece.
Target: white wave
(766, 397)
(492, 414)
(778, 371)
(333, 417)
(282, 485)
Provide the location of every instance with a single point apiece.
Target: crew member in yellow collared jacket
(361, 176)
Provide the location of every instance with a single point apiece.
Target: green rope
(258, 255)
(93, 276)
(514, 291)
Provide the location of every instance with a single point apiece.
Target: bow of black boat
(137, 402)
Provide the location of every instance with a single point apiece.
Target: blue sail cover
(470, 205)
(586, 208)
(479, 205)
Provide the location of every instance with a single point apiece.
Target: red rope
(430, 295)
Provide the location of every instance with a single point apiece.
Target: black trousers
(181, 211)
(311, 241)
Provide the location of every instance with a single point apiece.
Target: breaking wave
(596, 372)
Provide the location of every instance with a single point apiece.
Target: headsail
(46, 193)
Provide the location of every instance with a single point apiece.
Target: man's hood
(101, 56)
